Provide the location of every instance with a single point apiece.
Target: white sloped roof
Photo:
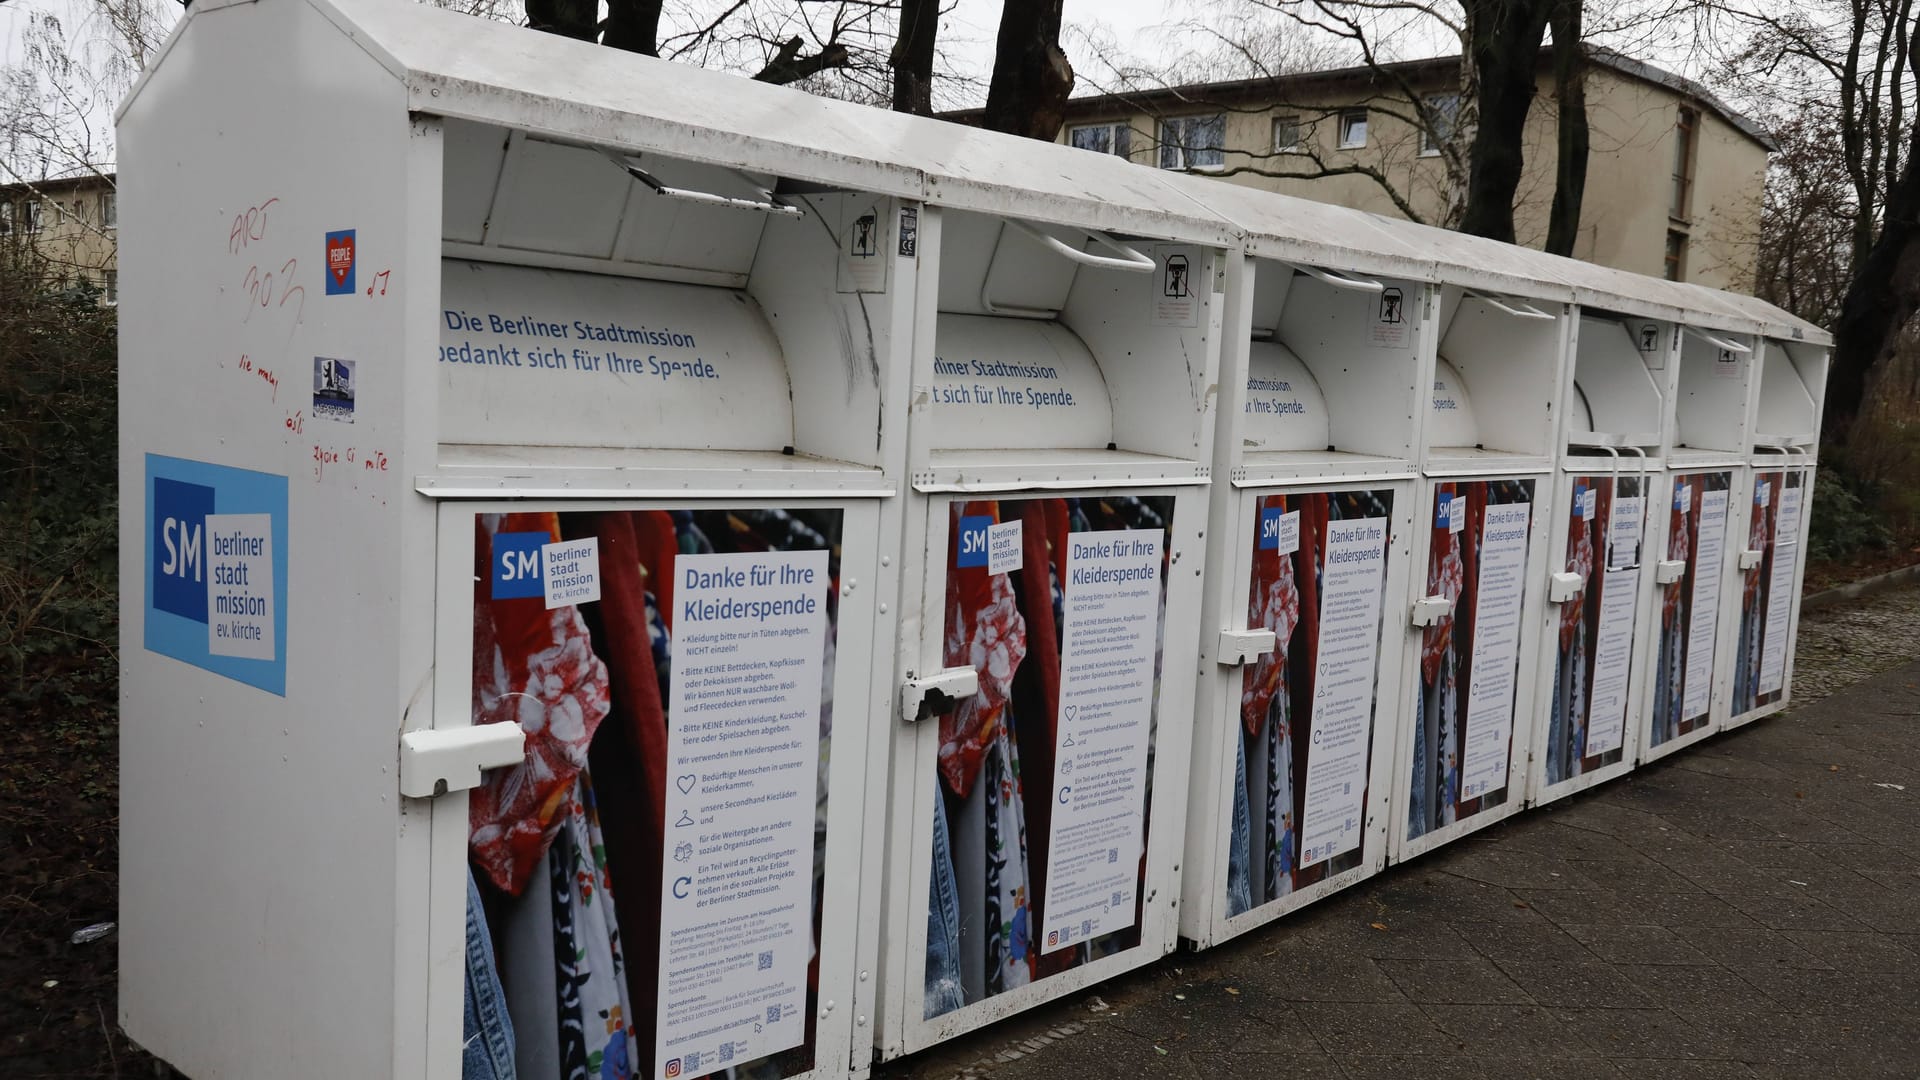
(468, 68)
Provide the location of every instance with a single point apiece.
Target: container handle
(1519, 309)
(1720, 342)
(1130, 261)
(1340, 281)
(769, 204)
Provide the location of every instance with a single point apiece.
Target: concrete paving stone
(1509, 1031)
(1507, 869)
(1645, 1033)
(1677, 909)
(1635, 944)
(1638, 873)
(1550, 837)
(1508, 939)
(1895, 908)
(1459, 982)
(1444, 897)
(1803, 912)
(1862, 952)
(1658, 1069)
(1293, 972)
(1675, 985)
(1578, 984)
(1750, 946)
(1300, 1064)
(1369, 1028)
(1830, 993)
(1407, 936)
(1475, 1068)
(1577, 906)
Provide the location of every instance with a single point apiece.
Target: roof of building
(80, 180)
(1158, 97)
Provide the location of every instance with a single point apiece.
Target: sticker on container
(1279, 531)
(1726, 364)
(1174, 300)
(1589, 502)
(909, 231)
(1763, 493)
(863, 268)
(1683, 498)
(517, 559)
(1004, 549)
(1389, 327)
(341, 257)
(1443, 511)
(742, 766)
(216, 565)
(1648, 339)
(333, 389)
(570, 571)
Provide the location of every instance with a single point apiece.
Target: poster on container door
(1613, 645)
(1710, 546)
(1496, 647)
(736, 887)
(1356, 563)
(1112, 623)
(1786, 544)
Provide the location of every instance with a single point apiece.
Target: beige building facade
(1675, 178)
(71, 224)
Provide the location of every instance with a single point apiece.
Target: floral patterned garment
(534, 667)
(1010, 952)
(1579, 561)
(984, 628)
(1276, 606)
(1446, 576)
(596, 1026)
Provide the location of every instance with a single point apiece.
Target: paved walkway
(1746, 908)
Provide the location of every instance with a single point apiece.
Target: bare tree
(1031, 75)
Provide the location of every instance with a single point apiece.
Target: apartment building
(1675, 178)
(71, 224)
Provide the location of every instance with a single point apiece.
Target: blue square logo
(1443, 513)
(516, 565)
(179, 568)
(215, 594)
(1270, 528)
(973, 541)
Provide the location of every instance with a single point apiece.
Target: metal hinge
(436, 762)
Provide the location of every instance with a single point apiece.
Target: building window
(1676, 255)
(30, 216)
(1286, 134)
(1115, 138)
(1442, 112)
(6, 217)
(110, 285)
(1684, 137)
(1193, 142)
(1353, 129)
(109, 210)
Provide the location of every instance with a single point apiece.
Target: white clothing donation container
(1694, 558)
(1060, 441)
(1479, 588)
(1786, 425)
(1308, 561)
(1600, 585)
(512, 437)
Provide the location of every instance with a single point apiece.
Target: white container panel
(1285, 409)
(1619, 392)
(1016, 384)
(1452, 423)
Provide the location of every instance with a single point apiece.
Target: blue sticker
(1580, 502)
(1443, 514)
(516, 564)
(216, 569)
(973, 541)
(1270, 518)
(341, 256)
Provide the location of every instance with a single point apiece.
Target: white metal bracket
(1239, 647)
(1429, 610)
(937, 694)
(1668, 571)
(1564, 586)
(436, 762)
(1750, 558)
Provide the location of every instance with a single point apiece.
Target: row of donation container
(760, 584)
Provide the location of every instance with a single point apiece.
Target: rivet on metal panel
(883, 609)
(863, 1019)
(863, 976)
(886, 560)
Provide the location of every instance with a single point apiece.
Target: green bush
(58, 470)
(1845, 525)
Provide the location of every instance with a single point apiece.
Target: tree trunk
(1504, 37)
(912, 59)
(1881, 298)
(633, 25)
(788, 66)
(1570, 84)
(1031, 76)
(568, 18)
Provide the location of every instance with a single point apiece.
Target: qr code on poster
(766, 960)
(726, 1053)
(691, 1062)
(773, 1014)
(1119, 899)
